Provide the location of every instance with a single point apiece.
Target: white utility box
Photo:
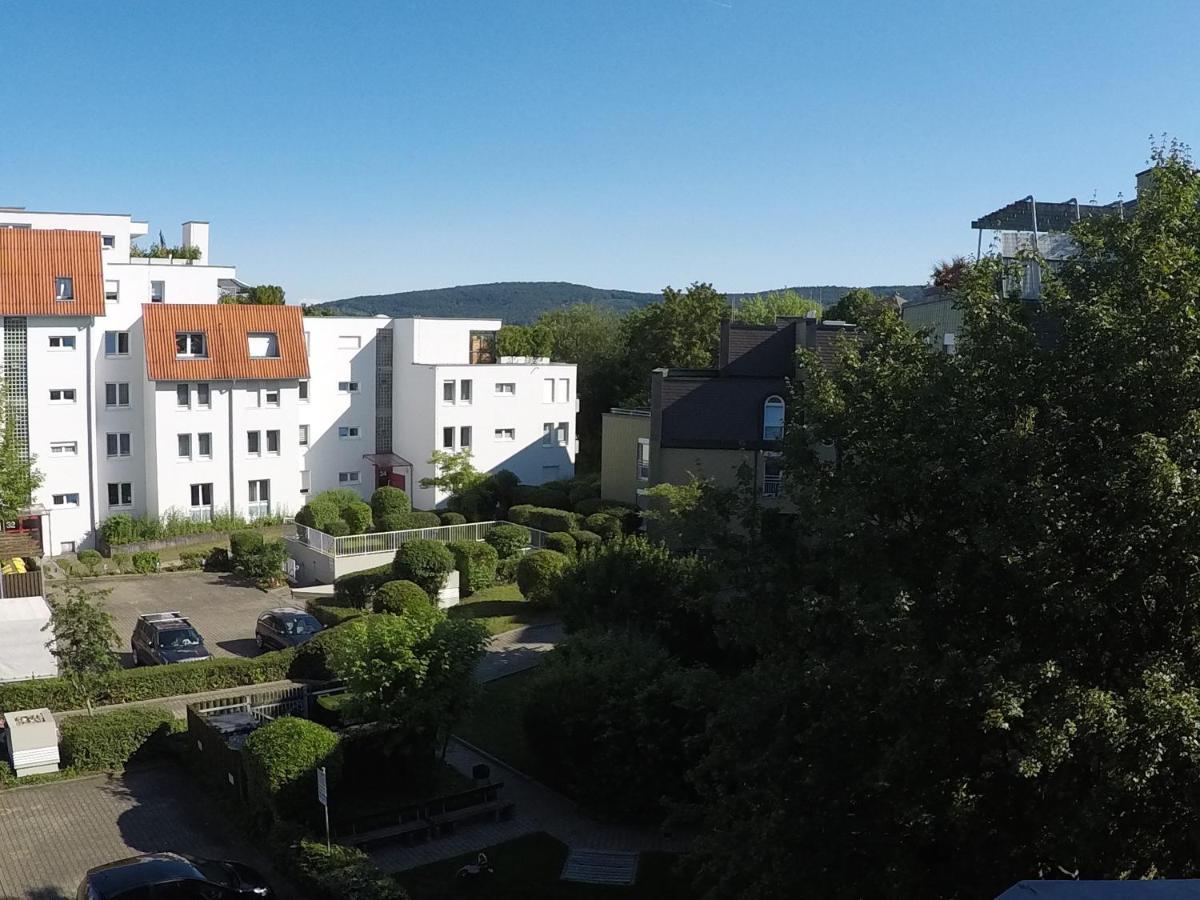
(32, 741)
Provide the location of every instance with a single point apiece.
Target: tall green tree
(19, 476)
(259, 295)
(681, 331)
(982, 663)
(764, 309)
(83, 638)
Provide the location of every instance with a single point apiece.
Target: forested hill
(523, 301)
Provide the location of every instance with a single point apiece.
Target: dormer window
(190, 345)
(64, 288)
(773, 411)
(263, 345)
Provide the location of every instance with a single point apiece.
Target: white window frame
(64, 448)
(186, 395)
(182, 441)
(264, 341)
(65, 396)
(302, 389)
(203, 397)
(449, 392)
(116, 336)
(127, 441)
(349, 432)
(65, 499)
(562, 434)
(256, 440)
(564, 388)
(465, 437)
(266, 397)
(505, 434)
(116, 392)
(774, 432)
(505, 393)
(547, 390)
(304, 435)
(259, 494)
(189, 340)
(122, 502)
(273, 433)
(200, 451)
(641, 461)
(452, 432)
(547, 434)
(64, 289)
(66, 342)
(348, 387)
(108, 241)
(466, 391)
(349, 478)
(200, 510)
(112, 290)
(158, 292)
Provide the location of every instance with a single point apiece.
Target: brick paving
(51, 834)
(222, 608)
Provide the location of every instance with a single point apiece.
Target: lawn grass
(501, 608)
(528, 868)
(494, 721)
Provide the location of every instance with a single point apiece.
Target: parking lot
(220, 607)
(51, 835)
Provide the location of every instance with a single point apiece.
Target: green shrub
(398, 597)
(341, 873)
(311, 660)
(506, 570)
(110, 740)
(149, 683)
(630, 517)
(118, 529)
(543, 496)
(604, 525)
(476, 564)
(504, 486)
(358, 517)
(90, 558)
(427, 563)
(125, 529)
(543, 518)
(218, 560)
(243, 543)
(356, 590)
(453, 518)
(281, 763)
(410, 520)
(509, 540)
(145, 562)
(586, 542)
(521, 514)
(560, 541)
(192, 559)
(123, 562)
(388, 501)
(337, 512)
(331, 613)
(538, 574)
(476, 503)
(589, 505)
(264, 566)
(582, 490)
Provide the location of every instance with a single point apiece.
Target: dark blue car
(166, 637)
(172, 876)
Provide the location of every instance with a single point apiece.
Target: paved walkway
(518, 650)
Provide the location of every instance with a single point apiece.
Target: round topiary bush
(282, 758)
(560, 541)
(453, 518)
(243, 544)
(311, 661)
(585, 542)
(388, 501)
(476, 564)
(398, 597)
(145, 562)
(426, 563)
(608, 527)
(538, 574)
(358, 517)
(509, 540)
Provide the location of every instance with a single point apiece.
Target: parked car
(172, 875)
(287, 626)
(166, 637)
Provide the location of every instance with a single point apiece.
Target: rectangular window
(67, 546)
(346, 387)
(203, 394)
(303, 435)
(506, 434)
(564, 390)
(120, 493)
(260, 498)
(464, 436)
(506, 389)
(183, 396)
(116, 394)
(271, 397)
(107, 241)
(64, 448)
(772, 485)
(305, 481)
(65, 499)
(562, 434)
(62, 342)
(190, 345)
(62, 395)
(117, 443)
(348, 478)
(447, 391)
(185, 445)
(307, 341)
(273, 441)
(349, 342)
(304, 391)
(643, 459)
(112, 291)
(158, 291)
(548, 434)
(253, 445)
(64, 288)
(448, 438)
(116, 343)
(204, 445)
(263, 345)
(348, 432)
(464, 390)
(547, 390)
(202, 498)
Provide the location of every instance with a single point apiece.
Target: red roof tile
(32, 258)
(227, 328)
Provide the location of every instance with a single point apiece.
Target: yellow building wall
(618, 456)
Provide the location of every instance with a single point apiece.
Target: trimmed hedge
(608, 527)
(336, 512)
(311, 660)
(398, 597)
(562, 542)
(149, 683)
(331, 614)
(408, 521)
(476, 564)
(453, 518)
(427, 563)
(145, 562)
(281, 764)
(358, 517)
(109, 740)
(509, 540)
(357, 589)
(586, 542)
(590, 505)
(388, 501)
(543, 518)
(341, 873)
(542, 496)
(506, 570)
(538, 574)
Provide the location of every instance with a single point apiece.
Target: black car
(278, 629)
(172, 876)
(166, 637)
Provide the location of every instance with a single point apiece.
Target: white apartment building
(136, 392)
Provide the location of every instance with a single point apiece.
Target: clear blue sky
(348, 148)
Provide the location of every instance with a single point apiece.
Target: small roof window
(64, 288)
(263, 345)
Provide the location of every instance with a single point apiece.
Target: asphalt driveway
(222, 608)
(51, 835)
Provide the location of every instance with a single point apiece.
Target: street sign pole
(323, 796)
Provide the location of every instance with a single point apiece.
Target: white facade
(108, 440)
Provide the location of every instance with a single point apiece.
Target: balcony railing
(390, 541)
(772, 485)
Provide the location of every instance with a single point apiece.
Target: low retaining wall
(210, 538)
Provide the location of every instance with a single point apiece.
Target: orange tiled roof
(226, 328)
(30, 260)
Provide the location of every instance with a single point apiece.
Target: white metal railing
(772, 485)
(390, 541)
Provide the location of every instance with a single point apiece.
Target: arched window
(773, 418)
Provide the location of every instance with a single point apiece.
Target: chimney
(1145, 180)
(195, 234)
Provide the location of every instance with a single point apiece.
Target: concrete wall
(618, 455)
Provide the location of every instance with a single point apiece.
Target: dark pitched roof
(1018, 215)
(1134, 889)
